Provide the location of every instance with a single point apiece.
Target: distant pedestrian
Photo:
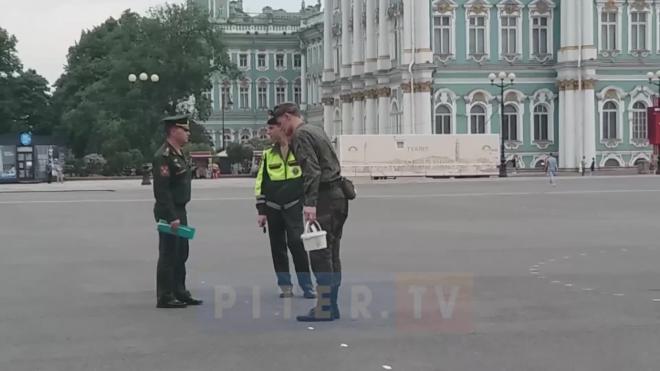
(551, 168)
(583, 165)
(59, 171)
(593, 165)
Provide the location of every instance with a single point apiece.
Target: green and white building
(422, 67)
(280, 56)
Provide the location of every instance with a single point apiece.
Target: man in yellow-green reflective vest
(279, 192)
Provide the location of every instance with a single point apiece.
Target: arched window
(263, 134)
(478, 120)
(612, 163)
(640, 128)
(395, 118)
(541, 124)
(610, 114)
(510, 124)
(442, 120)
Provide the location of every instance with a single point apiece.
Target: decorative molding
(395, 9)
(478, 7)
(346, 98)
(358, 96)
(328, 101)
(384, 92)
(444, 6)
(371, 94)
(418, 87)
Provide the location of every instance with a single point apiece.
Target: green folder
(183, 231)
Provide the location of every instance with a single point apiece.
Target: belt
(275, 206)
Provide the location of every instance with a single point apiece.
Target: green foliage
(238, 153)
(24, 100)
(100, 111)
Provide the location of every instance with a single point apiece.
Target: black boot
(320, 313)
(333, 301)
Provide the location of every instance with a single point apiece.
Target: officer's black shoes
(287, 292)
(309, 294)
(316, 316)
(171, 304)
(191, 301)
(335, 312)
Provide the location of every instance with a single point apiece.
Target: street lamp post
(654, 79)
(226, 103)
(144, 77)
(505, 82)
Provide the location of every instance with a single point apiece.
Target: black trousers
(171, 269)
(331, 213)
(284, 230)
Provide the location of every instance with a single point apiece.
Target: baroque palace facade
(422, 67)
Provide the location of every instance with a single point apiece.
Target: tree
(25, 99)
(100, 111)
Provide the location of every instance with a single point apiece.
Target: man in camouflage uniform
(324, 201)
(172, 172)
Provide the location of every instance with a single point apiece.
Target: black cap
(182, 121)
(272, 121)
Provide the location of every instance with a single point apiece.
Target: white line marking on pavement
(587, 289)
(343, 345)
(566, 257)
(569, 285)
(382, 196)
(387, 367)
(617, 294)
(656, 300)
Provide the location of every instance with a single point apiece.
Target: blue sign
(26, 139)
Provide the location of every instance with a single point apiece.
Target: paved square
(559, 278)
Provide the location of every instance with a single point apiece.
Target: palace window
(510, 124)
(541, 124)
(638, 27)
(640, 128)
(540, 32)
(477, 37)
(442, 34)
(478, 120)
(610, 114)
(609, 30)
(442, 120)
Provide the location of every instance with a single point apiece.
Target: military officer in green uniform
(279, 192)
(325, 200)
(172, 172)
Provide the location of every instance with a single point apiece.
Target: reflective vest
(278, 182)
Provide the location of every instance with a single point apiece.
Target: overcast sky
(46, 28)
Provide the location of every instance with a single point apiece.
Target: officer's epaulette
(166, 152)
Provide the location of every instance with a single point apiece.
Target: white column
(328, 117)
(384, 62)
(569, 126)
(383, 107)
(371, 107)
(423, 125)
(407, 124)
(561, 121)
(423, 52)
(589, 114)
(345, 39)
(328, 73)
(346, 114)
(358, 39)
(358, 115)
(408, 29)
(303, 80)
(372, 52)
